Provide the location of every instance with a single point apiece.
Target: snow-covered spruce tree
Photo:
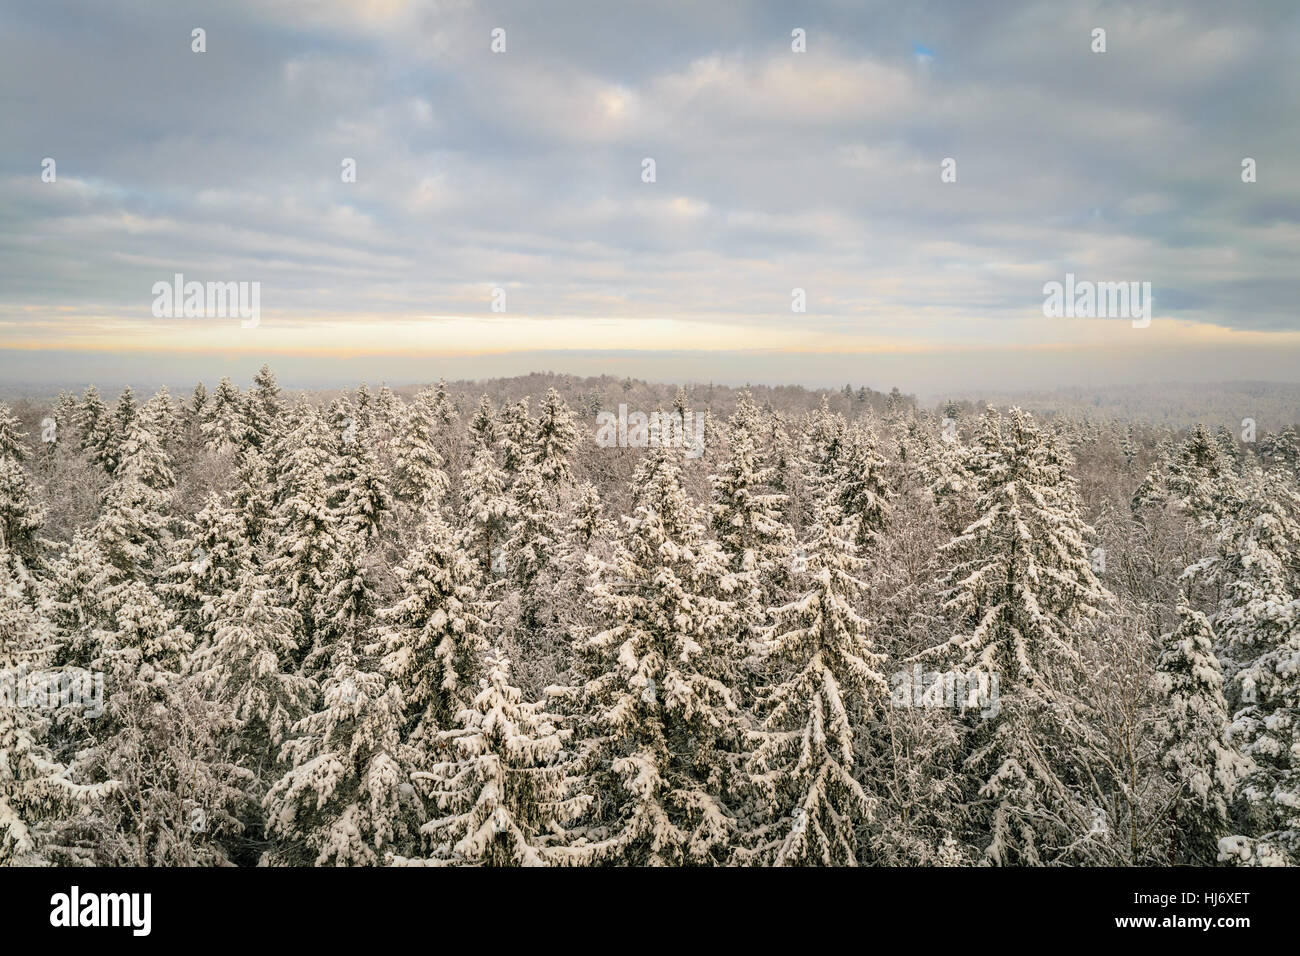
(1199, 478)
(515, 437)
(587, 523)
(173, 794)
(433, 638)
(160, 417)
(304, 530)
(262, 411)
(863, 496)
(658, 717)
(448, 435)
(20, 519)
(584, 540)
(143, 623)
(192, 414)
(94, 430)
(347, 608)
(121, 423)
(532, 545)
(553, 441)
(484, 427)
(1190, 731)
(347, 799)
(826, 675)
(1153, 490)
(390, 414)
(748, 523)
(13, 439)
(822, 447)
(1281, 450)
(1020, 589)
(946, 466)
(530, 612)
(223, 420)
(487, 511)
(79, 587)
(1259, 622)
(252, 497)
(131, 531)
(206, 563)
(746, 510)
(503, 782)
(365, 498)
(418, 477)
(444, 408)
(35, 789)
(248, 668)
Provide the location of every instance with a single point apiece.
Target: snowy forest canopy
(246, 627)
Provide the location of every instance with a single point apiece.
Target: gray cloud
(774, 169)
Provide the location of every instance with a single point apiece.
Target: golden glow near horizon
(343, 335)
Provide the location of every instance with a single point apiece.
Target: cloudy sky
(774, 170)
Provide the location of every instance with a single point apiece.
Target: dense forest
(449, 626)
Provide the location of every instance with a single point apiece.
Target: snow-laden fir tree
(253, 497)
(249, 666)
(121, 423)
(160, 417)
(223, 421)
(746, 510)
(94, 430)
(365, 498)
(304, 528)
(433, 637)
(501, 786)
(863, 496)
(390, 413)
(1199, 477)
(1259, 621)
(79, 586)
(418, 476)
(659, 719)
(206, 562)
(532, 545)
(132, 531)
(13, 439)
(20, 519)
(1020, 591)
(487, 512)
(946, 466)
(348, 606)
(176, 796)
(515, 437)
(262, 410)
(347, 799)
(553, 440)
(826, 676)
(35, 789)
(484, 427)
(1191, 732)
(192, 414)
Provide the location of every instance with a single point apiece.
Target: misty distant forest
(445, 625)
